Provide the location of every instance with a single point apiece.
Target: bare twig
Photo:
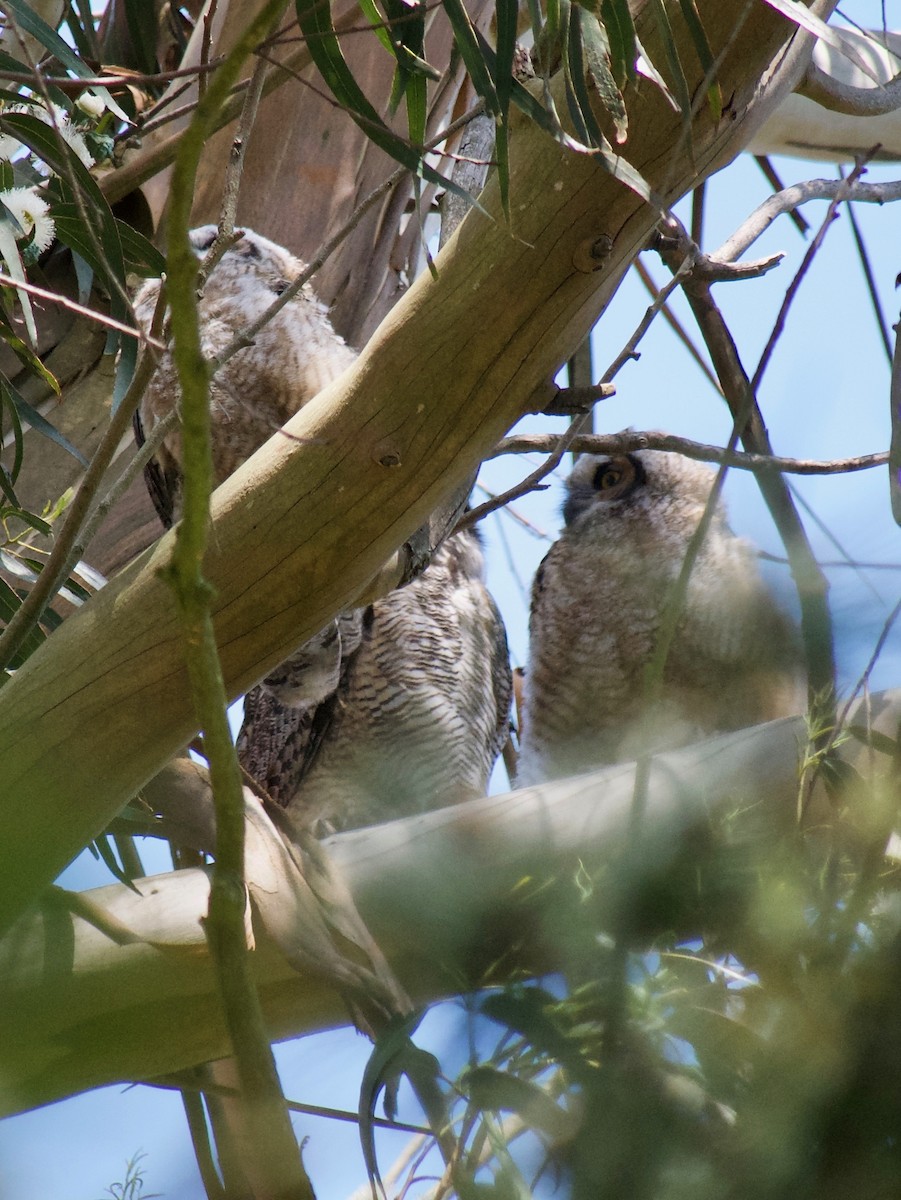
(628, 441)
(120, 78)
(869, 278)
(629, 350)
(772, 178)
(81, 310)
(816, 621)
(894, 461)
(235, 167)
(98, 515)
(531, 483)
(841, 97)
(792, 290)
(675, 324)
(791, 198)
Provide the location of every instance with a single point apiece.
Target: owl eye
(608, 476)
(279, 286)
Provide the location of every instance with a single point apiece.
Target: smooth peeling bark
(303, 526)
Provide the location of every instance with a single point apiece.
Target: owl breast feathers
(393, 709)
(597, 604)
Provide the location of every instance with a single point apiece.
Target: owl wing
(164, 485)
(278, 743)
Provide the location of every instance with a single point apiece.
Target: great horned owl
(418, 712)
(597, 603)
(252, 395)
(393, 709)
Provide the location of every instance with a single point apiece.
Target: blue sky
(824, 395)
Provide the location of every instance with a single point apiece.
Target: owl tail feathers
(308, 911)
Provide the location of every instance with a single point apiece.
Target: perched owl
(252, 395)
(418, 712)
(393, 709)
(597, 603)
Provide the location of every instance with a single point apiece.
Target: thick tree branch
(438, 890)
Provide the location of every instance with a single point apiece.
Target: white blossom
(30, 210)
(90, 104)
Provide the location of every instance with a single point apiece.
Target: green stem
(277, 1170)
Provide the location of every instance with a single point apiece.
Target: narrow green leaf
(621, 33)
(40, 424)
(876, 739)
(596, 46)
(614, 163)
(7, 406)
(680, 83)
(9, 605)
(498, 1091)
(125, 368)
(374, 17)
(108, 855)
(9, 252)
(472, 52)
(80, 23)
(29, 21)
(527, 1011)
(106, 257)
(536, 20)
(6, 486)
(139, 253)
(505, 48)
(502, 158)
(141, 19)
(705, 56)
(578, 102)
(315, 22)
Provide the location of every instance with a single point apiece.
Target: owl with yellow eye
(597, 604)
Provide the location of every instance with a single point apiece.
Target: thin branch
(183, 1083)
(894, 462)
(792, 290)
(629, 350)
(773, 179)
(235, 167)
(836, 96)
(870, 280)
(676, 325)
(629, 441)
(791, 198)
(99, 513)
(121, 78)
(816, 621)
(853, 563)
(277, 1163)
(81, 310)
